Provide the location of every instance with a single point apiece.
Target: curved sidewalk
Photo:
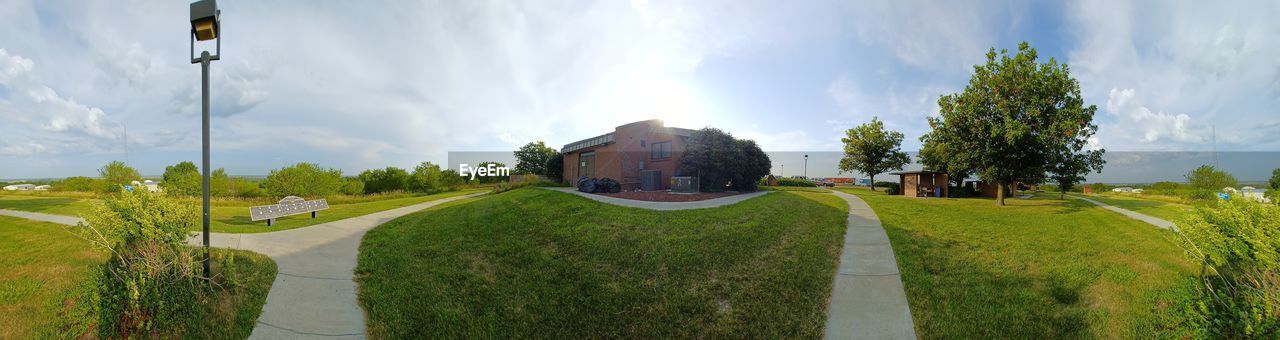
(867, 298)
(1152, 220)
(711, 203)
(314, 293)
(35, 216)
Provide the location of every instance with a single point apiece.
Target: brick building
(923, 183)
(640, 155)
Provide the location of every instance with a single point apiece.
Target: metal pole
(204, 91)
(806, 166)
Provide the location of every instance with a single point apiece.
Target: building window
(660, 150)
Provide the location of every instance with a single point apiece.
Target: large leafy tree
(1205, 180)
(385, 180)
(182, 179)
(719, 160)
(426, 177)
(936, 155)
(115, 175)
(1014, 119)
(532, 158)
(872, 150)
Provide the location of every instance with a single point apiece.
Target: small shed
(923, 183)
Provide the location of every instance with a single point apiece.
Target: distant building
(150, 185)
(41, 187)
(1122, 189)
(20, 187)
(922, 183)
(1255, 194)
(641, 155)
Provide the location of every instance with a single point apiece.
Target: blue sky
(358, 85)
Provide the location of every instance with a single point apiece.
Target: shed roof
(918, 172)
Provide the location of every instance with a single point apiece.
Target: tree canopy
(872, 150)
(1015, 120)
(182, 179)
(532, 158)
(116, 174)
(720, 160)
(1206, 180)
(304, 179)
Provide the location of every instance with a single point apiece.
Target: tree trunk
(873, 182)
(1062, 195)
(1000, 193)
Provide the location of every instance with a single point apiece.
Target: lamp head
(204, 19)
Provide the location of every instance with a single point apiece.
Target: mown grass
(39, 263)
(1169, 211)
(230, 216)
(47, 281)
(1041, 268)
(535, 263)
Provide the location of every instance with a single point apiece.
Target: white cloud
(1138, 121)
(37, 106)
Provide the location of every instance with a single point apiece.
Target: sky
(368, 84)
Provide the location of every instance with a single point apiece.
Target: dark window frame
(660, 150)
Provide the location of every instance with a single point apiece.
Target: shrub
(385, 180)
(352, 186)
(964, 191)
(1207, 180)
(532, 158)
(304, 179)
(889, 187)
(451, 180)
(1238, 244)
(78, 183)
(426, 178)
(148, 283)
(795, 182)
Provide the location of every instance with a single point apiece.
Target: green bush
(721, 161)
(183, 179)
(115, 175)
(147, 283)
(306, 180)
(77, 183)
(1238, 244)
(505, 186)
(891, 188)
(795, 182)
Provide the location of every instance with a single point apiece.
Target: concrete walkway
(314, 293)
(59, 219)
(867, 298)
(1158, 222)
(711, 203)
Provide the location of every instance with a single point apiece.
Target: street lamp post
(205, 25)
(806, 166)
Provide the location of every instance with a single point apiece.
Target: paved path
(1158, 222)
(59, 219)
(867, 299)
(314, 294)
(711, 203)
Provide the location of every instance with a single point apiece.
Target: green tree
(1012, 119)
(872, 150)
(1206, 180)
(220, 184)
(492, 178)
(384, 180)
(116, 174)
(532, 158)
(426, 178)
(304, 179)
(720, 160)
(182, 179)
(555, 167)
(1069, 168)
(936, 155)
(1237, 243)
(1274, 183)
(352, 186)
(451, 180)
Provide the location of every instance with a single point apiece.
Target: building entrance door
(587, 164)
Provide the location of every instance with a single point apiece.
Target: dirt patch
(663, 196)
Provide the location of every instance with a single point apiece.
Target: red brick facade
(625, 152)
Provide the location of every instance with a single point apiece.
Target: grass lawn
(534, 263)
(230, 216)
(1166, 210)
(44, 268)
(1041, 268)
